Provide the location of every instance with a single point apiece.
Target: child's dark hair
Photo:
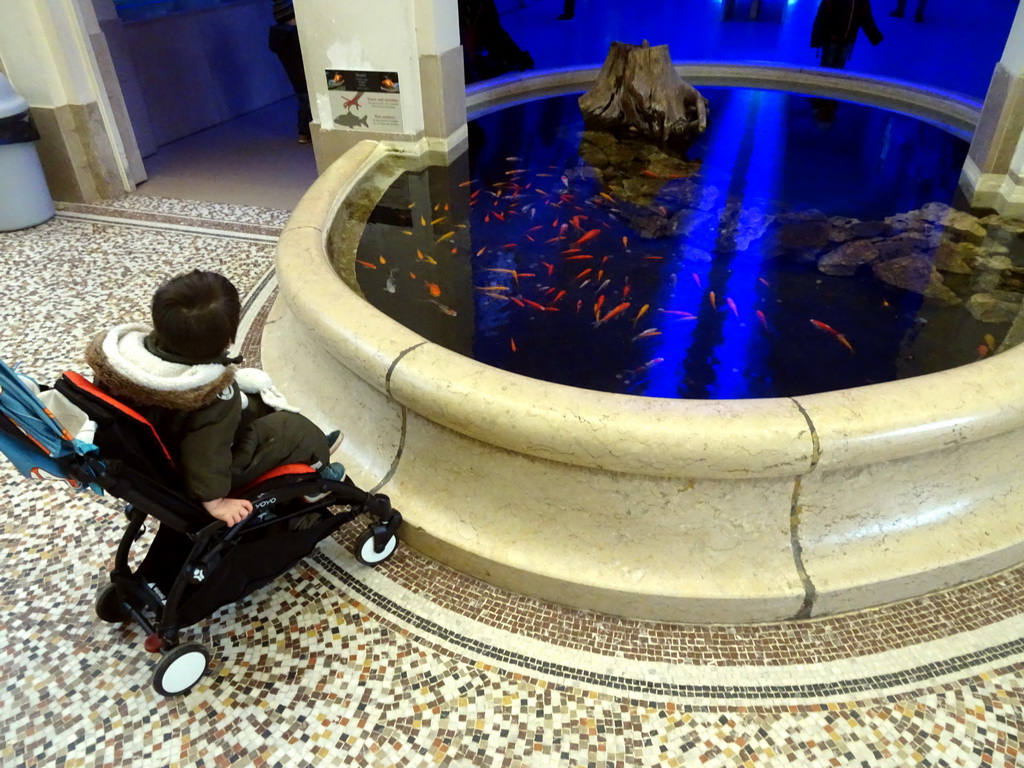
(195, 315)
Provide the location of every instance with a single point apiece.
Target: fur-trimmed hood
(126, 367)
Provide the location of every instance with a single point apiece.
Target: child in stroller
(266, 472)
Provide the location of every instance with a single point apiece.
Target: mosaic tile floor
(412, 664)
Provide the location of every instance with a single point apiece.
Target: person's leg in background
(284, 41)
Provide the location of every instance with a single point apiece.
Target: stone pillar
(46, 51)
(993, 174)
(360, 44)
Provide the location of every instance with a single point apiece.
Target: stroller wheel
(367, 554)
(109, 606)
(180, 669)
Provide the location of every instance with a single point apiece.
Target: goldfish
(423, 221)
(492, 287)
(765, 282)
(438, 220)
(550, 268)
(711, 298)
(577, 258)
(465, 183)
(649, 174)
(444, 308)
(572, 250)
(990, 341)
(534, 304)
(512, 342)
(823, 327)
(625, 242)
(764, 322)
(834, 333)
(597, 306)
(618, 310)
(732, 306)
(433, 288)
(589, 235)
(498, 216)
(983, 351)
(584, 273)
(446, 235)
(641, 313)
(382, 260)
(558, 296)
(579, 306)
(481, 251)
(696, 279)
(647, 334)
(603, 285)
(366, 264)
(607, 197)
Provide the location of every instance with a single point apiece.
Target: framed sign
(365, 100)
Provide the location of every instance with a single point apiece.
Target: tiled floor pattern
(413, 664)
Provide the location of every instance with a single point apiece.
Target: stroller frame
(197, 564)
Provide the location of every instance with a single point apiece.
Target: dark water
(661, 279)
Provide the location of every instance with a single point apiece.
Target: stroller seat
(195, 563)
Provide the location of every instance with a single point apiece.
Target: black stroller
(194, 564)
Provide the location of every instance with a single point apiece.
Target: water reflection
(597, 264)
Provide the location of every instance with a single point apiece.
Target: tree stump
(639, 94)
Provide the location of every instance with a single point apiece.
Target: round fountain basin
(698, 511)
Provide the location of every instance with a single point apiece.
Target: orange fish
(584, 273)
(625, 242)
(513, 343)
(366, 264)
(550, 268)
(983, 351)
(842, 340)
(647, 334)
(760, 316)
(534, 304)
(823, 327)
(557, 297)
(577, 258)
(711, 298)
(732, 306)
(766, 283)
(492, 287)
(613, 313)
(588, 236)
(641, 313)
(382, 260)
(434, 288)
(597, 306)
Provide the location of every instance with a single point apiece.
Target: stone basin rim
(751, 438)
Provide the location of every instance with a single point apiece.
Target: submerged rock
(963, 225)
(989, 309)
(848, 258)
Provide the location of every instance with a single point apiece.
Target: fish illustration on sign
(348, 120)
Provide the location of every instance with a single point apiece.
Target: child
(224, 425)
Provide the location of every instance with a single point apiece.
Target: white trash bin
(24, 197)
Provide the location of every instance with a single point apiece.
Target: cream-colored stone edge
(880, 539)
